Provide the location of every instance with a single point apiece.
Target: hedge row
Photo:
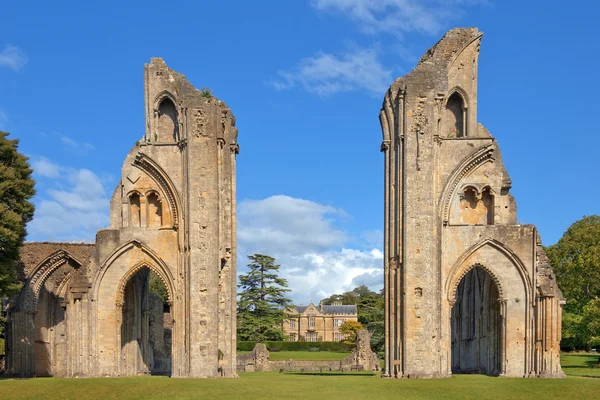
(336, 347)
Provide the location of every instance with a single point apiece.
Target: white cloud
(74, 210)
(325, 74)
(13, 58)
(283, 223)
(397, 17)
(303, 237)
(78, 147)
(44, 167)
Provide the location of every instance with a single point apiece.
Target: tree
(157, 287)
(370, 312)
(16, 188)
(576, 262)
(350, 329)
(262, 302)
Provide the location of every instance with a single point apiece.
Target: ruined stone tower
(467, 289)
(86, 310)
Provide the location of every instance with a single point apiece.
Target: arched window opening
(455, 116)
(154, 211)
(146, 326)
(135, 211)
(476, 208)
(168, 126)
(488, 201)
(475, 325)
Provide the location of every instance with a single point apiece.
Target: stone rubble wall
(361, 356)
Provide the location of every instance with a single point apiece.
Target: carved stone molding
(474, 161)
(41, 274)
(148, 165)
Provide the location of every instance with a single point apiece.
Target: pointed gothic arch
(461, 268)
(162, 180)
(153, 261)
(42, 272)
(464, 169)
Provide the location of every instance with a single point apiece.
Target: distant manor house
(318, 324)
(86, 310)
(467, 288)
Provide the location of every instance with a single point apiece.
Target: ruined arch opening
(50, 326)
(476, 208)
(135, 211)
(168, 126)
(455, 117)
(476, 324)
(154, 217)
(146, 326)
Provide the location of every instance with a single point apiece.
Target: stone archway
(145, 349)
(476, 325)
(123, 307)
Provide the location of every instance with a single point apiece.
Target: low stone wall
(362, 357)
(293, 365)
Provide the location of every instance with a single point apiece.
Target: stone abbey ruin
(86, 310)
(467, 289)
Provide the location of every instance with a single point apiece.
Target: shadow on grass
(584, 360)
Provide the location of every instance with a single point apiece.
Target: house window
(338, 337)
(338, 322)
(292, 337)
(292, 323)
(311, 322)
(311, 336)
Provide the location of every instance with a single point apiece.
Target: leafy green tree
(262, 302)
(16, 188)
(157, 287)
(350, 329)
(370, 312)
(576, 261)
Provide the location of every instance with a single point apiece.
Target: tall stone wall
(448, 210)
(173, 213)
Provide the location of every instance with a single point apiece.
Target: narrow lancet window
(168, 126)
(154, 211)
(135, 217)
(454, 117)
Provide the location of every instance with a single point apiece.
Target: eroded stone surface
(85, 310)
(467, 289)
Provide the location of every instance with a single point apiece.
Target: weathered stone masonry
(467, 289)
(86, 310)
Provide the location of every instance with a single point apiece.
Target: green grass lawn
(580, 364)
(331, 386)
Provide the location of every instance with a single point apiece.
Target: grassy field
(580, 364)
(273, 385)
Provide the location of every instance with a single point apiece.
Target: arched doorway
(49, 332)
(146, 326)
(476, 325)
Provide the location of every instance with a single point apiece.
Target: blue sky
(305, 80)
